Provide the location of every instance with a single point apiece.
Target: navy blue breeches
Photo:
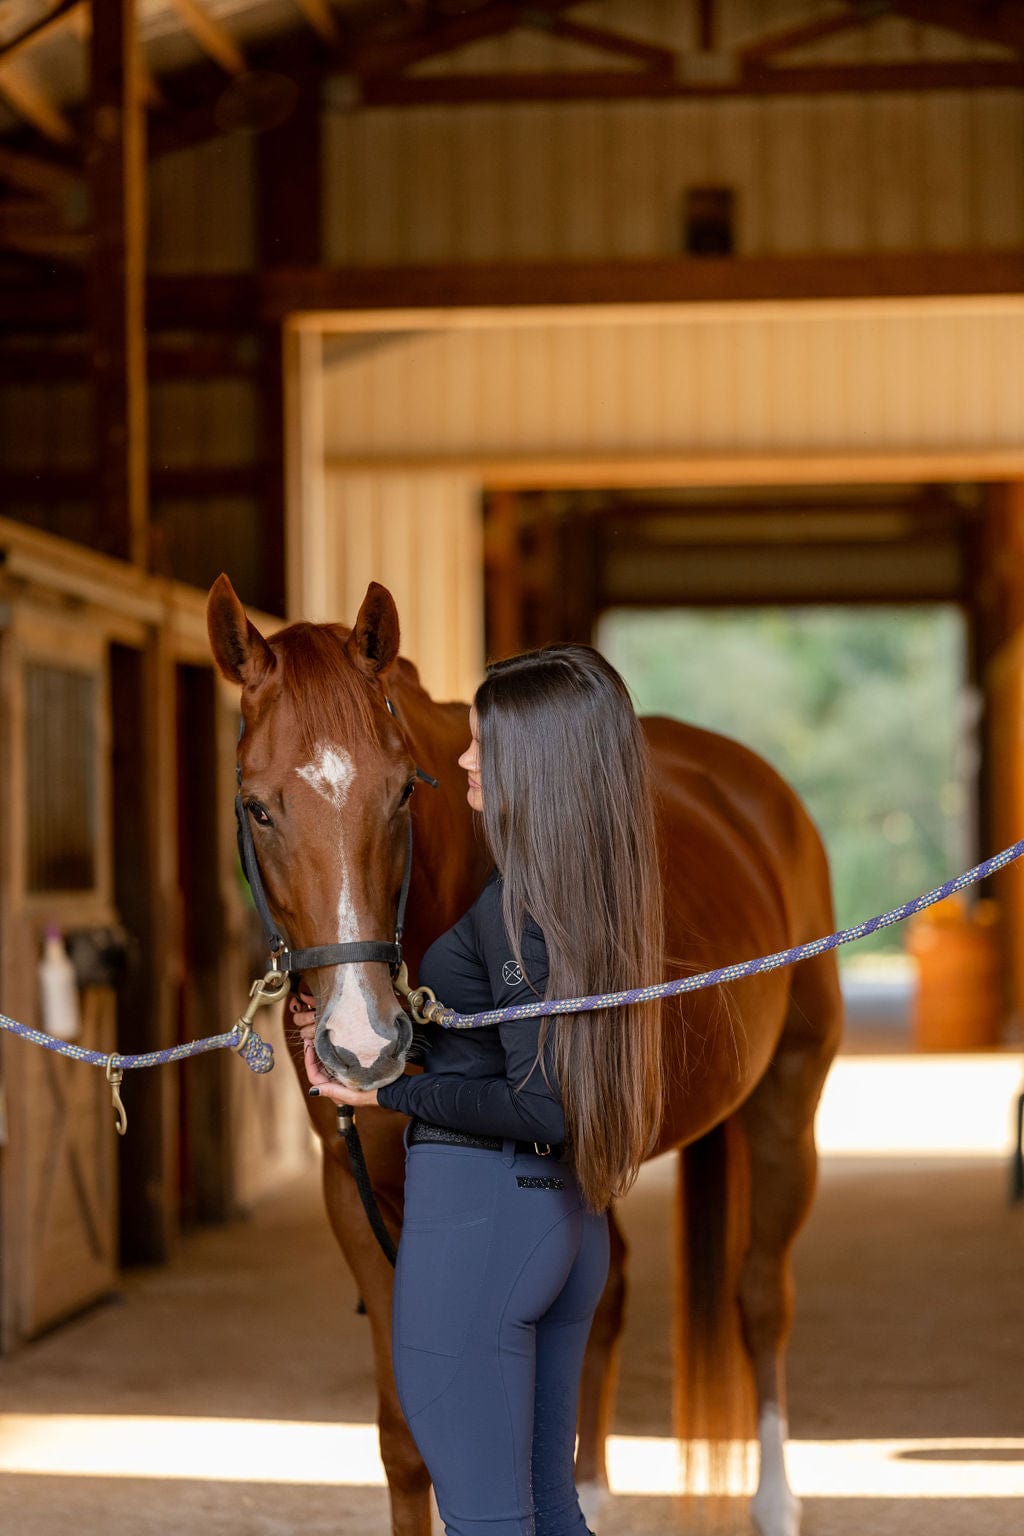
(500, 1268)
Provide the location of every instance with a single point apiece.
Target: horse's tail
(714, 1399)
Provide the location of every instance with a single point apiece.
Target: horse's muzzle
(346, 1066)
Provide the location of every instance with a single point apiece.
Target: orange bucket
(958, 1005)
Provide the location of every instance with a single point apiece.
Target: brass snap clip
(115, 1074)
(421, 1001)
(265, 989)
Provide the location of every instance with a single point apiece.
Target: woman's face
(470, 760)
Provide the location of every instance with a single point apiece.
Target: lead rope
(357, 1161)
(426, 1009)
(242, 1038)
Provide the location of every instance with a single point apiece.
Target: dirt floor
(909, 1328)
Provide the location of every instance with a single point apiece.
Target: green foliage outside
(861, 710)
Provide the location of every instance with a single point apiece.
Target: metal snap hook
(115, 1075)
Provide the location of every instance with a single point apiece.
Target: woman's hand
(327, 1087)
(302, 1012)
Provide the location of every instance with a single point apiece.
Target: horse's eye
(259, 813)
(407, 791)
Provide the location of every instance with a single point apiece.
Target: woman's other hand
(302, 1012)
(327, 1087)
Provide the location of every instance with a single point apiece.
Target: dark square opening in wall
(709, 219)
(60, 776)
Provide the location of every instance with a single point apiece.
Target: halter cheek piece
(286, 959)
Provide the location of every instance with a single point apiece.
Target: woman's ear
(239, 649)
(373, 643)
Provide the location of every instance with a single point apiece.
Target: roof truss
(376, 52)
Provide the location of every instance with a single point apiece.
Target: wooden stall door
(59, 1180)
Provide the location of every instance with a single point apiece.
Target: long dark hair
(569, 821)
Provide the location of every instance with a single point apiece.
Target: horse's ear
(373, 643)
(238, 647)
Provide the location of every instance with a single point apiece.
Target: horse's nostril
(403, 1033)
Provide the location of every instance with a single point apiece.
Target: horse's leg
(598, 1382)
(778, 1120)
(408, 1479)
(381, 1135)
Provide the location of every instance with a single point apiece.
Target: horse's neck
(450, 863)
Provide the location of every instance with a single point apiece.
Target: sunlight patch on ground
(266, 1451)
(921, 1106)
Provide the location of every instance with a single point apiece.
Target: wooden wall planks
(421, 535)
(829, 377)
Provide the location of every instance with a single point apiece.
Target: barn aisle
(908, 1331)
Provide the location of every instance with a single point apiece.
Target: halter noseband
(285, 959)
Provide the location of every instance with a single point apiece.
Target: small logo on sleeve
(511, 974)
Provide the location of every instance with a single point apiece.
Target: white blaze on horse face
(347, 1013)
(330, 774)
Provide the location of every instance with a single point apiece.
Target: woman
(523, 1133)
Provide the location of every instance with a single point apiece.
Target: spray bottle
(58, 989)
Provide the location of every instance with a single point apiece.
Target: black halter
(286, 959)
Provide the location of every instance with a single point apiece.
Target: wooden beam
(632, 471)
(202, 482)
(235, 303)
(797, 34)
(706, 26)
(989, 22)
(194, 482)
(748, 79)
(47, 178)
(289, 230)
(117, 289)
(322, 19)
(603, 38)
(35, 227)
(152, 96)
(308, 582)
(25, 98)
(503, 574)
(500, 287)
(429, 38)
(222, 304)
(54, 19)
(204, 357)
(212, 38)
(289, 162)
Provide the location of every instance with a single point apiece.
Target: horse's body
(744, 875)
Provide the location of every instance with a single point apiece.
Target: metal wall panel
(421, 535)
(887, 171)
(855, 377)
(200, 208)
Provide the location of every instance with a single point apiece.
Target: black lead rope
(357, 1161)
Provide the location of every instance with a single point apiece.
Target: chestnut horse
(326, 769)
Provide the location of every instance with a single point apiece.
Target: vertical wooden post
(309, 582)
(116, 159)
(581, 582)
(503, 574)
(288, 234)
(999, 621)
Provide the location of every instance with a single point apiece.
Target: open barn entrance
(692, 455)
(831, 628)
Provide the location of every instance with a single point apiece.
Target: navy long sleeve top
(486, 1081)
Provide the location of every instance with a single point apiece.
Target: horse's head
(325, 779)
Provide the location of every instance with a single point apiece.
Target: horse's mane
(331, 698)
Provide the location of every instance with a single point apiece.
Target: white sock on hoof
(775, 1509)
